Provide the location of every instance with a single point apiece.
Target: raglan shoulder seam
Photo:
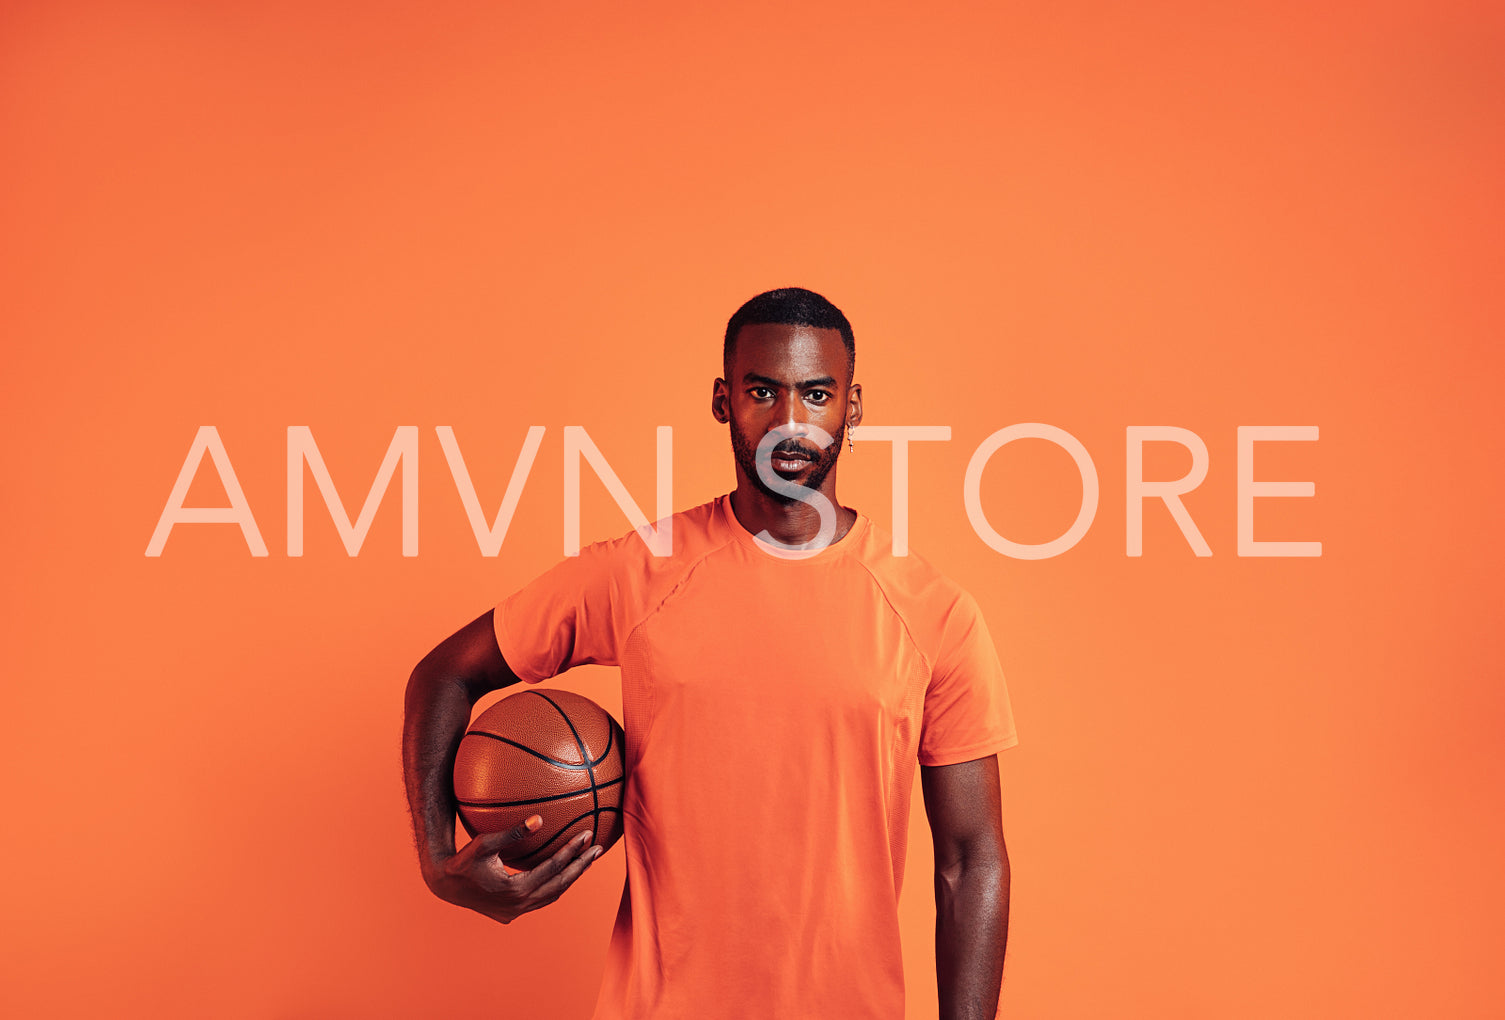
(903, 617)
(679, 582)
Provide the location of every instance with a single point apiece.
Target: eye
(818, 396)
(761, 392)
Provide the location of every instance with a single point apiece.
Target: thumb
(491, 843)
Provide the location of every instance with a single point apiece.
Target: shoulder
(911, 579)
(932, 605)
(623, 574)
(634, 559)
(692, 532)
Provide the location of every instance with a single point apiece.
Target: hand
(474, 877)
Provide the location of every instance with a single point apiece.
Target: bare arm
(442, 690)
(971, 885)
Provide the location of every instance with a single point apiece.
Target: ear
(854, 405)
(720, 395)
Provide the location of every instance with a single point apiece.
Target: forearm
(443, 689)
(971, 931)
(436, 711)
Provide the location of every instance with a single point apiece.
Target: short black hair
(789, 306)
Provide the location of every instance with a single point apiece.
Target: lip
(789, 465)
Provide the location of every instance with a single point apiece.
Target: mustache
(794, 450)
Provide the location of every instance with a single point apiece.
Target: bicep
(471, 657)
(964, 804)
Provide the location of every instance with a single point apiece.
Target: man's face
(789, 377)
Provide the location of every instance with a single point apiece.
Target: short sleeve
(568, 616)
(967, 711)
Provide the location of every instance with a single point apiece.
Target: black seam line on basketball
(521, 747)
(611, 736)
(534, 800)
(585, 755)
(595, 814)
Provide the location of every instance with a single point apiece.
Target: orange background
(1246, 787)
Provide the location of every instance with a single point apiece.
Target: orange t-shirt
(774, 709)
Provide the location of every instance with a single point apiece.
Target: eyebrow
(753, 377)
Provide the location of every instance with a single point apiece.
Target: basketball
(548, 753)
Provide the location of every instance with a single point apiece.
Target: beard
(744, 450)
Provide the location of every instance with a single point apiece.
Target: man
(782, 674)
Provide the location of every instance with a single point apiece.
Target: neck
(792, 523)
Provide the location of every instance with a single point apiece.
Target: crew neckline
(836, 549)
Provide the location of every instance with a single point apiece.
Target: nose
(793, 414)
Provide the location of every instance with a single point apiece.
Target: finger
(537, 876)
(556, 886)
(492, 843)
